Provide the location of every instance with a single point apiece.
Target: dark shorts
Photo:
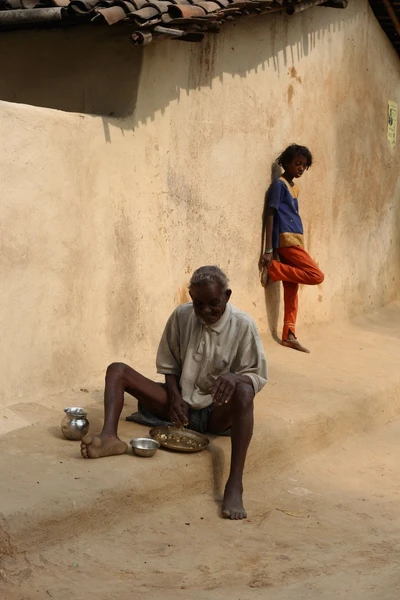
(198, 419)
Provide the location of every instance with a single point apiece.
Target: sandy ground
(321, 490)
(327, 529)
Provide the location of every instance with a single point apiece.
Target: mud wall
(157, 162)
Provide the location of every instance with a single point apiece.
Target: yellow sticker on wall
(392, 123)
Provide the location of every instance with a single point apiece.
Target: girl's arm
(268, 228)
(271, 204)
(268, 250)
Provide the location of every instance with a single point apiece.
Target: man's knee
(244, 395)
(116, 370)
(320, 277)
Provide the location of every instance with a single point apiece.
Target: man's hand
(224, 388)
(178, 411)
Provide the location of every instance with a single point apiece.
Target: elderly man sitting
(214, 364)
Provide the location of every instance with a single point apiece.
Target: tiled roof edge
(183, 20)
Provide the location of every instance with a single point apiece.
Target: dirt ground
(321, 490)
(328, 528)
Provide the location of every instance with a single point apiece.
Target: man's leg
(237, 414)
(120, 379)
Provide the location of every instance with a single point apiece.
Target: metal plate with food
(178, 438)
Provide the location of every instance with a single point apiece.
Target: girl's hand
(266, 259)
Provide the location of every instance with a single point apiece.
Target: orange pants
(295, 267)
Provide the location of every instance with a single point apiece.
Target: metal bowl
(144, 446)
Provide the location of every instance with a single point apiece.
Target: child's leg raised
(296, 267)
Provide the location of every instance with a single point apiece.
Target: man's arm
(170, 365)
(250, 366)
(178, 408)
(168, 359)
(243, 379)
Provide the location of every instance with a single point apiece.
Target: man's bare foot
(232, 505)
(295, 344)
(96, 446)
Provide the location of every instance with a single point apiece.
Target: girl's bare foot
(232, 505)
(97, 446)
(294, 343)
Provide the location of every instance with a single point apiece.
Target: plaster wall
(123, 170)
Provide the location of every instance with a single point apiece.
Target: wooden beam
(392, 15)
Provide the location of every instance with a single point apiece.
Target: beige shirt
(198, 353)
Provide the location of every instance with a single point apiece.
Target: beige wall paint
(103, 219)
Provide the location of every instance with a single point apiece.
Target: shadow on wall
(273, 290)
(96, 70)
(87, 69)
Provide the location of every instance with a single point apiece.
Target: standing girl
(283, 257)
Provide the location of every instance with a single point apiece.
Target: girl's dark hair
(291, 152)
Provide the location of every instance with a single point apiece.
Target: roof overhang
(146, 21)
